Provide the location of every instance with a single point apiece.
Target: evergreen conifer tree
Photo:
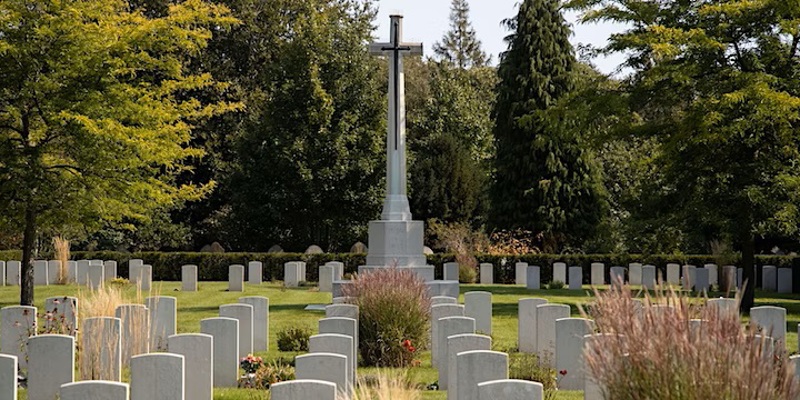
(460, 45)
(543, 182)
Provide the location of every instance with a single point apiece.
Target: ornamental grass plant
(394, 315)
(661, 351)
(385, 385)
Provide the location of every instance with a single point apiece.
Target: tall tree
(543, 182)
(96, 112)
(309, 170)
(715, 82)
(451, 144)
(460, 45)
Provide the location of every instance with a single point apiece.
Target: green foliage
(98, 112)
(273, 372)
(555, 285)
(467, 274)
(293, 339)
(309, 167)
(715, 83)
(544, 179)
(394, 316)
(460, 45)
(528, 367)
(450, 142)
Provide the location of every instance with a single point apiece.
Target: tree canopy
(96, 112)
(460, 45)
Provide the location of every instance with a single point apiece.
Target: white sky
(427, 20)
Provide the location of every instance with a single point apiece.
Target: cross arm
(376, 49)
(415, 48)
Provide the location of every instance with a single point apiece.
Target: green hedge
(214, 266)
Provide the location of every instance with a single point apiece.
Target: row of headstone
(776, 279)
(85, 272)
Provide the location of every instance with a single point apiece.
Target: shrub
(394, 307)
(555, 285)
(293, 339)
(385, 386)
(467, 274)
(656, 354)
(273, 372)
(528, 367)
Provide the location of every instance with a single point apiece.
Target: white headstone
(51, 363)
(96, 276)
(146, 277)
(244, 314)
(303, 274)
(101, 350)
(559, 272)
(598, 274)
(521, 273)
(689, 276)
(17, 324)
(475, 367)
(236, 278)
(2, 273)
(163, 320)
(260, 321)
(575, 278)
(772, 322)
(303, 389)
(458, 344)
(8, 377)
(40, 273)
(135, 270)
(327, 367)
(291, 274)
(189, 278)
(197, 350)
(82, 272)
(342, 310)
(110, 270)
(450, 271)
(478, 305)
(225, 332)
(487, 274)
(157, 376)
(95, 390)
(436, 300)
(617, 276)
(784, 280)
(326, 278)
(769, 278)
(13, 272)
(63, 312)
(702, 282)
(338, 269)
(649, 277)
(336, 344)
(533, 280)
(546, 317)
(635, 273)
(255, 272)
(569, 351)
(347, 327)
(526, 324)
(448, 327)
(510, 389)
(673, 274)
(438, 312)
(72, 271)
(713, 274)
(135, 330)
(724, 307)
(727, 282)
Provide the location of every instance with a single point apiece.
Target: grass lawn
(287, 310)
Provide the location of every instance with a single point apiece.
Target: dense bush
(528, 367)
(293, 339)
(717, 359)
(394, 315)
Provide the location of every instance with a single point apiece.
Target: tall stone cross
(395, 207)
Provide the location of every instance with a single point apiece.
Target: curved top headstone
(314, 249)
(275, 249)
(358, 247)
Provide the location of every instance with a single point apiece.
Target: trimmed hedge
(214, 266)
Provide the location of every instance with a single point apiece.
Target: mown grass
(287, 310)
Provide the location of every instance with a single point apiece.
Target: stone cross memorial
(396, 239)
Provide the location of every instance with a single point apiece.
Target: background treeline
(692, 149)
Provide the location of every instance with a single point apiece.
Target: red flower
(563, 372)
(406, 343)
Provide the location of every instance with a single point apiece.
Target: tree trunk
(26, 276)
(748, 272)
